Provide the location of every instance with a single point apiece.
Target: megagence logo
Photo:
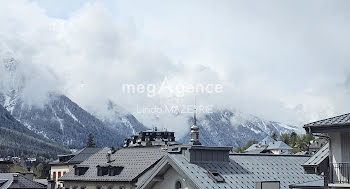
(178, 89)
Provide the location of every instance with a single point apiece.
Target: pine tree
(90, 142)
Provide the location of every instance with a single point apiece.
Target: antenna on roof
(195, 128)
(195, 111)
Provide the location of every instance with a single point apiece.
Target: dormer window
(216, 176)
(109, 170)
(80, 170)
(115, 170)
(102, 171)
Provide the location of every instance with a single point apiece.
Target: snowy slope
(119, 119)
(63, 121)
(58, 118)
(220, 128)
(16, 139)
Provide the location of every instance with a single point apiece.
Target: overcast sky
(287, 61)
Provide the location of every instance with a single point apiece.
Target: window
(80, 170)
(54, 176)
(115, 170)
(178, 185)
(102, 171)
(64, 172)
(59, 174)
(110, 170)
(121, 187)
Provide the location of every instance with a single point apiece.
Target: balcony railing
(340, 173)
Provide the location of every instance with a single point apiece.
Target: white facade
(57, 171)
(340, 159)
(96, 185)
(172, 179)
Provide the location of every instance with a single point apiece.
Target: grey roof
(135, 161)
(278, 145)
(79, 156)
(312, 184)
(22, 182)
(267, 140)
(84, 154)
(337, 120)
(317, 158)
(261, 146)
(255, 148)
(242, 171)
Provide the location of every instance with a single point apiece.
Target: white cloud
(282, 61)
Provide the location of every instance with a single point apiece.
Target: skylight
(216, 176)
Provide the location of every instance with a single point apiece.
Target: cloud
(281, 61)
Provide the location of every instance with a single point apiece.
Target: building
(197, 167)
(333, 160)
(151, 138)
(65, 163)
(269, 145)
(191, 166)
(279, 147)
(121, 169)
(316, 145)
(201, 167)
(19, 181)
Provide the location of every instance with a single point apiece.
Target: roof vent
(216, 176)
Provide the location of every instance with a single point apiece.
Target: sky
(286, 61)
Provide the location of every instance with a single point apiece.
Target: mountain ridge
(16, 139)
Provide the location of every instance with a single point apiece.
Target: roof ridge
(308, 124)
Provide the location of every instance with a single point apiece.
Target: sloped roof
(337, 120)
(312, 184)
(133, 160)
(22, 181)
(255, 148)
(278, 145)
(320, 156)
(267, 140)
(79, 156)
(242, 171)
(84, 154)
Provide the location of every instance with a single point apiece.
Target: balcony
(339, 174)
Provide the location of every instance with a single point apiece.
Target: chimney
(195, 131)
(51, 184)
(15, 177)
(109, 153)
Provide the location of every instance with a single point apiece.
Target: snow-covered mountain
(60, 119)
(121, 120)
(221, 127)
(16, 139)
